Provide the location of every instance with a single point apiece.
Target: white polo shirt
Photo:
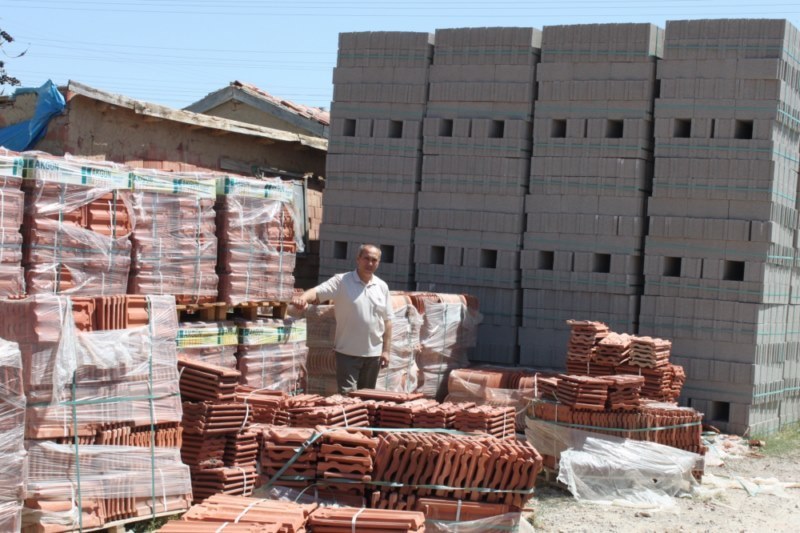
(360, 312)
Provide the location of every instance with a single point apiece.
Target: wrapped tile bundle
(13, 466)
(449, 331)
(361, 520)
(272, 354)
(12, 207)
(346, 460)
(174, 239)
(76, 226)
(402, 373)
(219, 509)
(209, 342)
(83, 487)
(263, 405)
(258, 239)
(334, 411)
(235, 480)
(321, 364)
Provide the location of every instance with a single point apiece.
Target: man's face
(369, 260)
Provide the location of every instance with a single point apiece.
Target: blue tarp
(24, 135)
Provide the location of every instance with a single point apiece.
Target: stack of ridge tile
(208, 342)
(380, 89)
(613, 350)
(226, 511)
(582, 346)
(663, 383)
(12, 207)
(205, 381)
(361, 520)
(624, 391)
(263, 405)
(346, 460)
(272, 354)
(279, 445)
(258, 239)
(647, 352)
(442, 416)
(721, 255)
(401, 415)
(475, 169)
(12, 437)
(241, 449)
(582, 392)
(174, 241)
(321, 362)
(499, 422)
(591, 174)
(77, 223)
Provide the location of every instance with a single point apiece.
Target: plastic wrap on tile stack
(76, 226)
(103, 408)
(209, 342)
(258, 239)
(174, 240)
(402, 373)
(448, 332)
(13, 466)
(321, 324)
(12, 206)
(272, 354)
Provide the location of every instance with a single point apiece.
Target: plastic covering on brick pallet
(321, 364)
(13, 465)
(12, 206)
(402, 373)
(272, 354)
(77, 223)
(209, 342)
(174, 238)
(259, 238)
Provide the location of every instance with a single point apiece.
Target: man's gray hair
(363, 248)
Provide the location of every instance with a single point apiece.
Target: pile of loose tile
(624, 391)
(442, 416)
(280, 445)
(346, 460)
(582, 392)
(401, 415)
(264, 405)
(224, 511)
(361, 520)
(647, 352)
(208, 342)
(12, 206)
(499, 422)
(174, 239)
(205, 381)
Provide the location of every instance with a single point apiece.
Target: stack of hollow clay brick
(174, 239)
(12, 437)
(208, 342)
(272, 354)
(77, 224)
(12, 207)
(258, 240)
(101, 384)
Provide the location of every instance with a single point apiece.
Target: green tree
(5, 79)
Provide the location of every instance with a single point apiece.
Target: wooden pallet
(207, 312)
(265, 309)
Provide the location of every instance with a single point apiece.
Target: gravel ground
(730, 509)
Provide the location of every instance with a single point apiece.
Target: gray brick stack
(591, 173)
(477, 145)
(375, 151)
(721, 266)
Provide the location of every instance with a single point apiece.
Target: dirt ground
(727, 509)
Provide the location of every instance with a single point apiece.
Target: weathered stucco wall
(244, 113)
(14, 109)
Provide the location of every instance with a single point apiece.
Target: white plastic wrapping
(402, 373)
(209, 342)
(272, 354)
(77, 223)
(13, 464)
(504, 523)
(174, 239)
(12, 206)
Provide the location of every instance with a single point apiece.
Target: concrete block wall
(721, 252)
(591, 174)
(375, 151)
(476, 161)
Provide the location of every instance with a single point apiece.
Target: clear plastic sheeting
(13, 464)
(174, 239)
(77, 223)
(402, 373)
(85, 486)
(462, 387)
(611, 470)
(321, 326)
(209, 342)
(504, 523)
(12, 207)
(259, 238)
(272, 354)
(449, 331)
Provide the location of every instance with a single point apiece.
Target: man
(363, 312)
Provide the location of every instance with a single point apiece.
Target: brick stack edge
(12, 207)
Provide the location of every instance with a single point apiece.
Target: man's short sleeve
(389, 308)
(327, 289)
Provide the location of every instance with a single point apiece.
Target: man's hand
(300, 303)
(384, 359)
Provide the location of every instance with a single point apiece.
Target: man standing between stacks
(363, 312)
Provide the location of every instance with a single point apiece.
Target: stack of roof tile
(241, 449)
(335, 411)
(236, 480)
(214, 418)
(373, 408)
(12, 437)
(402, 415)
(548, 387)
(77, 223)
(272, 354)
(385, 395)
(346, 460)
(263, 405)
(461, 511)
(443, 416)
(623, 391)
(499, 422)
(648, 352)
(174, 240)
(361, 520)
(257, 240)
(582, 346)
(285, 516)
(205, 381)
(582, 392)
(613, 350)
(280, 444)
(208, 342)
(662, 383)
(203, 451)
(12, 206)
(180, 526)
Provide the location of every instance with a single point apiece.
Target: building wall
(234, 110)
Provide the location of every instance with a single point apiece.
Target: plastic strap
(151, 332)
(77, 447)
(355, 518)
(221, 527)
(247, 509)
(246, 416)
(244, 480)
(163, 490)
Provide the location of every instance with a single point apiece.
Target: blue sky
(174, 52)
